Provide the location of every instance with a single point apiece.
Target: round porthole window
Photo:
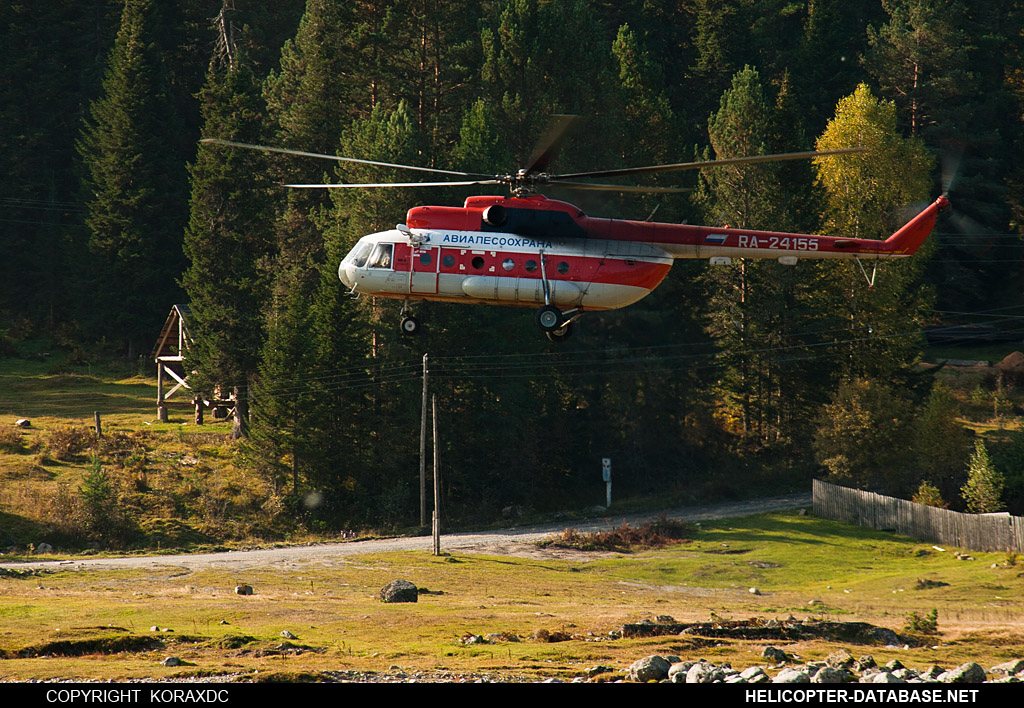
(478, 262)
(563, 267)
(448, 261)
(425, 259)
(508, 264)
(531, 266)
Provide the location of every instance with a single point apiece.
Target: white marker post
(606, 475)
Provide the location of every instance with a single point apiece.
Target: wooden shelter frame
(169, 354)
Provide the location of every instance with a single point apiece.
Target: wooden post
(161, 407)
(96, 418)
(198, 401)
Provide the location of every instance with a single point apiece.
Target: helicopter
(527, 250)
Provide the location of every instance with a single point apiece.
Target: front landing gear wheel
(549, 318)
(410, 325)
(561, 334)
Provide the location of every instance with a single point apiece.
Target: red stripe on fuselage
(577, 269)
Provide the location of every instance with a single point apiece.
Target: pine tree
(524, 45)
(945, 64)
(920, 59)
(752, 304)
(984, 489)
(134, 182)
(48, 52)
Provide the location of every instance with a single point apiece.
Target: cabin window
(478, 262)
(425, 259)
(531, 266)
(448, 261)
(381, 257)
(563, 267)
(508, 264)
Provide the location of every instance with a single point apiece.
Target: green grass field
(98, 624)
(182, 483)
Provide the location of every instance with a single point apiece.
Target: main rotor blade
(300, 153)
(549, 145)
(681, 166)
(596, 186)
(394, 184)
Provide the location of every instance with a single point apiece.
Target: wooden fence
(977, 532)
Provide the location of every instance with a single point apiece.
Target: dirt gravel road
(520, 541)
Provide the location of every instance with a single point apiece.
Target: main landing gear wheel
(410, 325)
(549, 318)
(561, 334)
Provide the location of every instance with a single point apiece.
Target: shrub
(105, 516)
(66, 442)
(928, 494)
(652, 534)
(916, 624)
(10, 440)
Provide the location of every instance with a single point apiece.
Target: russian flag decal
(715, 238)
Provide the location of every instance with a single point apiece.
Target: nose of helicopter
(345, 274)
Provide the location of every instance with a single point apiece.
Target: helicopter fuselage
(532, 251)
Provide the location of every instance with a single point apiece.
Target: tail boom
(683, 241)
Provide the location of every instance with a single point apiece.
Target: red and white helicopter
(530, 251)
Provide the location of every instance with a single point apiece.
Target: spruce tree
(227, 239)
(983, 492)
(134, 183)
(310, 99)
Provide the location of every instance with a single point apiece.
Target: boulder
(789, 675)
(649, 668)
(703, 672)
(677, 672)
(965, 673)
(1009, 668)
(398, 591)
(827, 674)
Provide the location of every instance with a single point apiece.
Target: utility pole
(423, 450)
(437, 484)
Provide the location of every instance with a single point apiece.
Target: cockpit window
(381, 257)
(359, 254)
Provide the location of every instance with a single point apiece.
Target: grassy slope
(178, 480)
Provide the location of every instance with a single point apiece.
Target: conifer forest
(726, 379)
